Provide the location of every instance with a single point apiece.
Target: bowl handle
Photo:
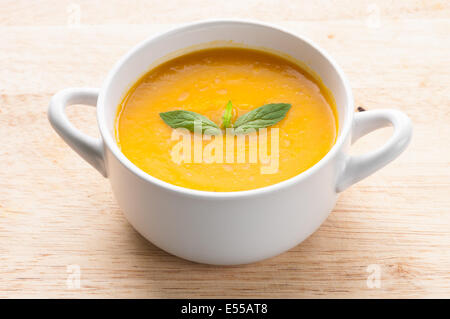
(89, 148)
(358, 167)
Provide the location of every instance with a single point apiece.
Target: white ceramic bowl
(228, 228)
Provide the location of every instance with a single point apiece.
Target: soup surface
(203, 82)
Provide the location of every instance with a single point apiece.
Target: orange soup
(204, 82)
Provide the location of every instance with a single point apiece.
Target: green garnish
(188, 120)
(226, 118)
(264, 116)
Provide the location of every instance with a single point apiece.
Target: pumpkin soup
(263, 118)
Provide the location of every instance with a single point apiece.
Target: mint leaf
(187, 119)
(226, 118)
(264, 116)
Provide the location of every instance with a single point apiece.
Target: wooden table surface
(59, 221)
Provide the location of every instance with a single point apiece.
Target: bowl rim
(108, 139)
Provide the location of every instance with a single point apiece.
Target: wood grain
(56, 211)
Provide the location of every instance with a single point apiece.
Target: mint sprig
(261, 117)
